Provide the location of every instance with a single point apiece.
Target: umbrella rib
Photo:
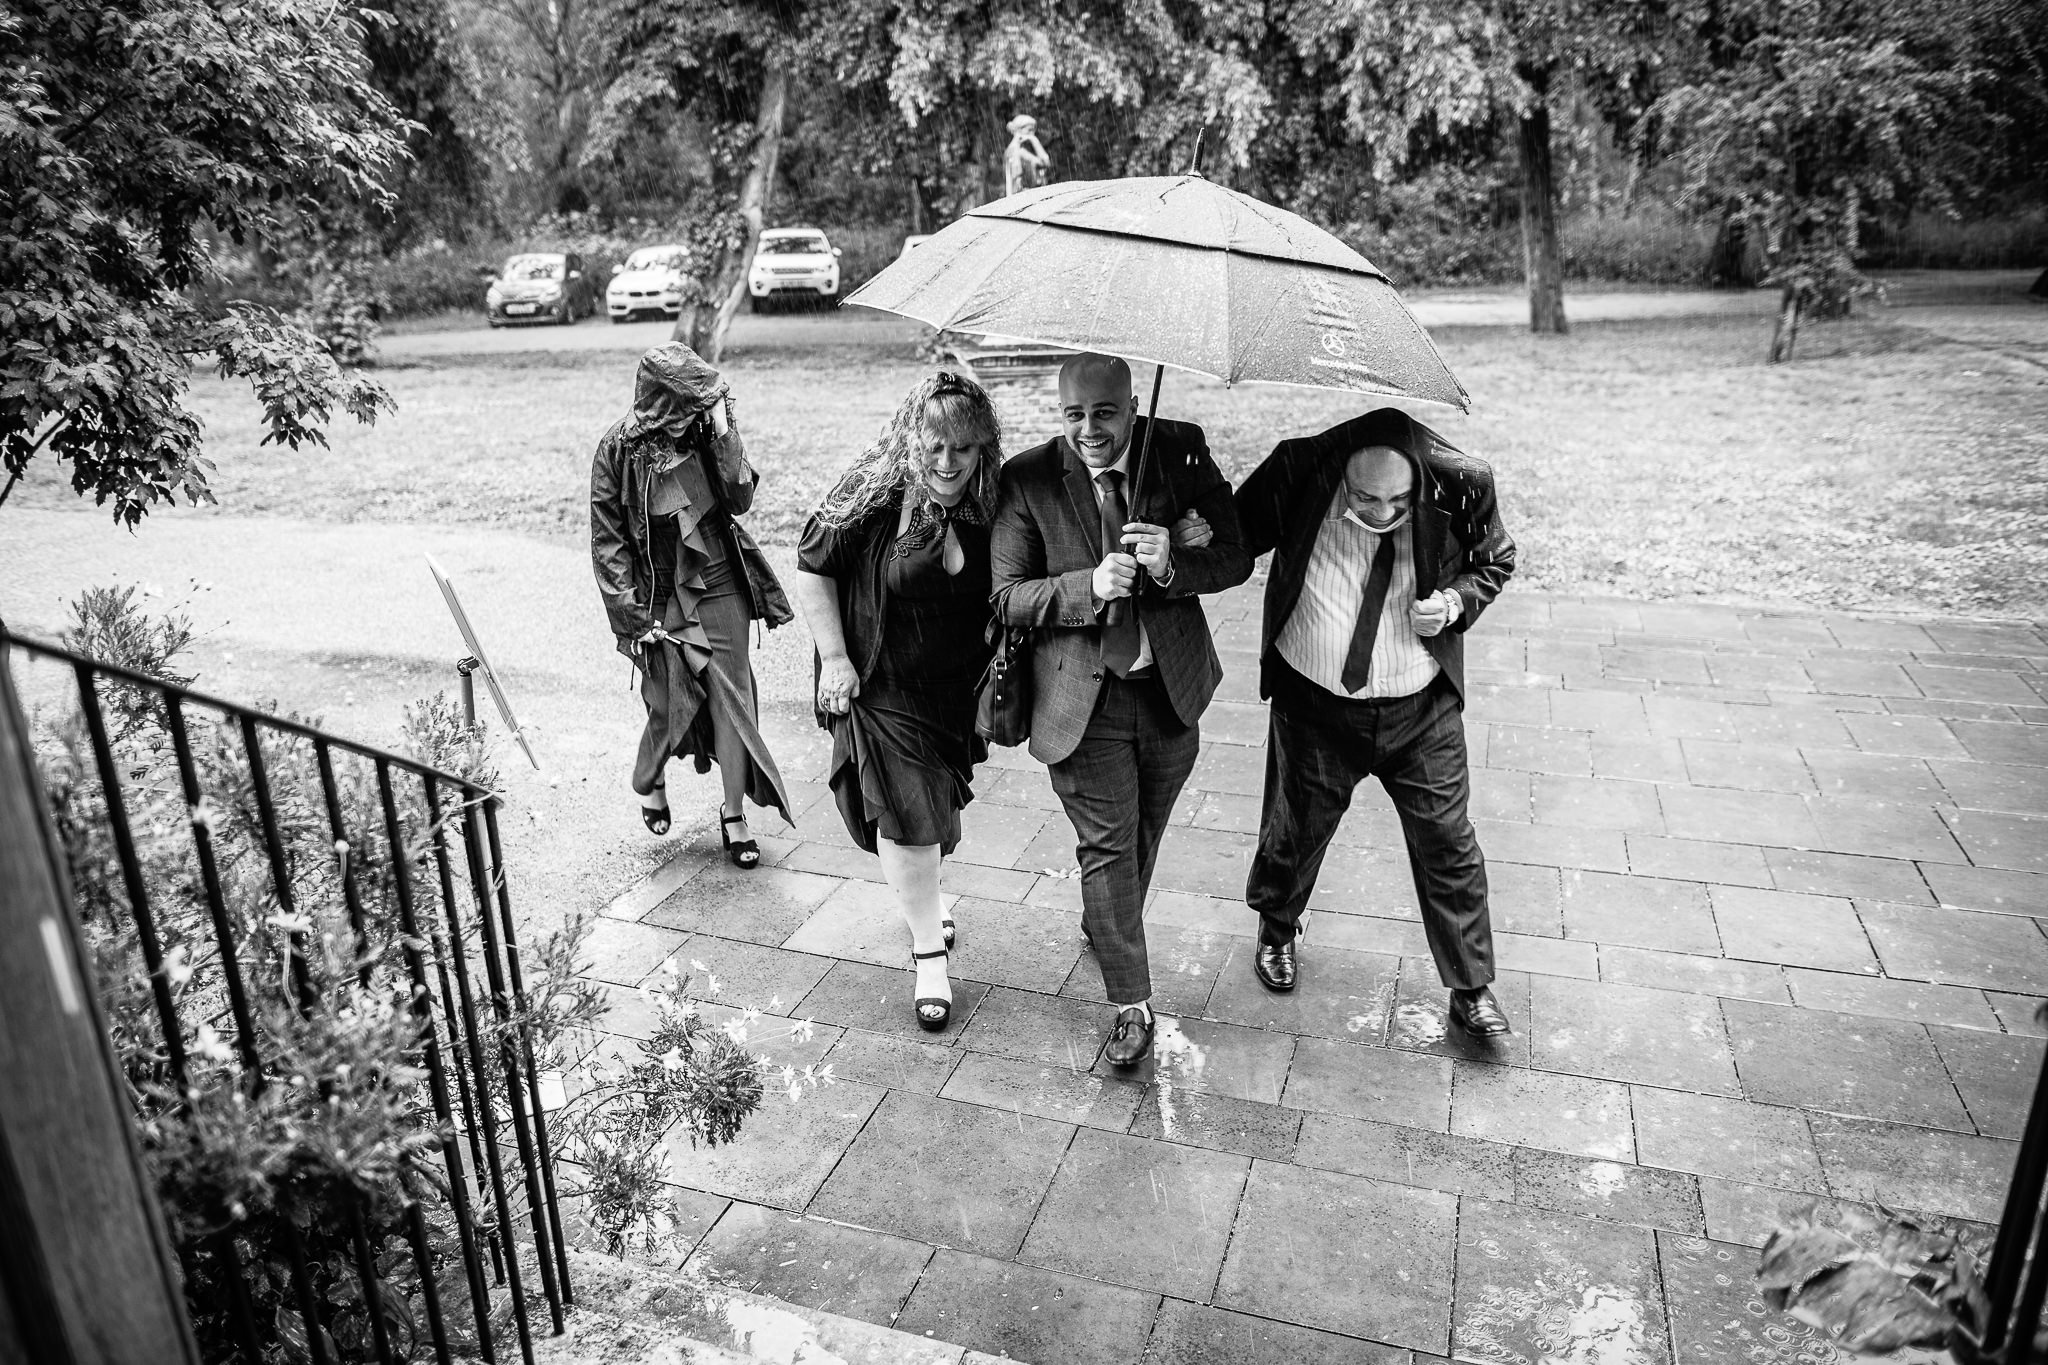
(1370, 271)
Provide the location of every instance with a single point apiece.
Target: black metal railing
(440, 909)
(2016, 1281)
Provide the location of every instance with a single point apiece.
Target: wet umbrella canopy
(1176, 271)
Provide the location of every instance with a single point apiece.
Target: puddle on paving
(1418, 1025)
(1180, 1062)
(1553, 1292)
(1373, 1023)
(1602, 1325)
(776, 1335)
(1602, 1180)
(1718, 1316)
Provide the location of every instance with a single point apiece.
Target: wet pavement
(1768, 891)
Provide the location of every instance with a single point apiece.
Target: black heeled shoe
(930, 1023)
(746, 853)
(656, 819)
(947, 925)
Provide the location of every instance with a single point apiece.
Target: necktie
(1119, 628)
(1358, 663)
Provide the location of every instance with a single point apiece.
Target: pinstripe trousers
(1118, 787)
(1319, 747)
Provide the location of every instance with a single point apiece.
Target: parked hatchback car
(651, 281)
(793, 263)
(540, 286)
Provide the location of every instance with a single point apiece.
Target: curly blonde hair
(946, 405)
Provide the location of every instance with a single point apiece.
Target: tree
(460, 128)
(556, 47)
(129, 131)
(1435, 67)
(1809, 115)
(728, 66)
(1120, 89)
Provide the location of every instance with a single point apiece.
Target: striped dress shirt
(1317, 637)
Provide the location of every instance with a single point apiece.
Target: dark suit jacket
(1459, 541)
(1043, 551)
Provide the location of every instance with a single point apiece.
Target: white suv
(793, 262)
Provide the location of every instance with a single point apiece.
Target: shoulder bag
(1002, 714)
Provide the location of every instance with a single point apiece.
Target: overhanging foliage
(133, 134)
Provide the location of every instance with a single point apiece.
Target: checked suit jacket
(1043, 550)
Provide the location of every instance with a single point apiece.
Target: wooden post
(87, 1276)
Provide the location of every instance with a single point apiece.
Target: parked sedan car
(540, 286)
(793, 263)
(651, 281)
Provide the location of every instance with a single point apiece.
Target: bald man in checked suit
(1116, 702)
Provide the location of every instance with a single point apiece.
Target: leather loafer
(1479, 1014)
(1273, 964)
(1130, 1042)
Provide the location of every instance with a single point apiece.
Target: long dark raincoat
(672, 401)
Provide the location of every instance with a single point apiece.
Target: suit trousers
(1319, 747)
(1118, 787)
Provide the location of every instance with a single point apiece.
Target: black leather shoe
(1479, 1014)
(1130, 1042)
(1273, 964)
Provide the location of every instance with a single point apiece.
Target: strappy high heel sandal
(656, 818)
(947, 925)
(746, 853)
(929, 1022)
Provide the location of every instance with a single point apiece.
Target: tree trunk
(916, 206)
(1787, 332)
(1542, 263)
(703, 326)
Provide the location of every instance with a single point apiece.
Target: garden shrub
(434, 278)
(1651, 247)
(1646, 248)
(1933, 241)
(330, 1142)
(864, 252)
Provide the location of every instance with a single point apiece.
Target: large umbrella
(1177, 271)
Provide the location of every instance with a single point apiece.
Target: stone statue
(1025, 163)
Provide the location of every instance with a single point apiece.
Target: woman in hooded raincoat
(681, 580)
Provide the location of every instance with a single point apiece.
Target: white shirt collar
(1122, 464)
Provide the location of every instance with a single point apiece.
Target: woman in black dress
(681, 579)
(893, 577)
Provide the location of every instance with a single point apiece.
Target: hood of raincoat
(673, 388)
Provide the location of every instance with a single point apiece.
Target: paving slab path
(1769, 892)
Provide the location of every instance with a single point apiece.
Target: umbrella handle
(1120, 608)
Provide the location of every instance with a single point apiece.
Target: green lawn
(1886, 468)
